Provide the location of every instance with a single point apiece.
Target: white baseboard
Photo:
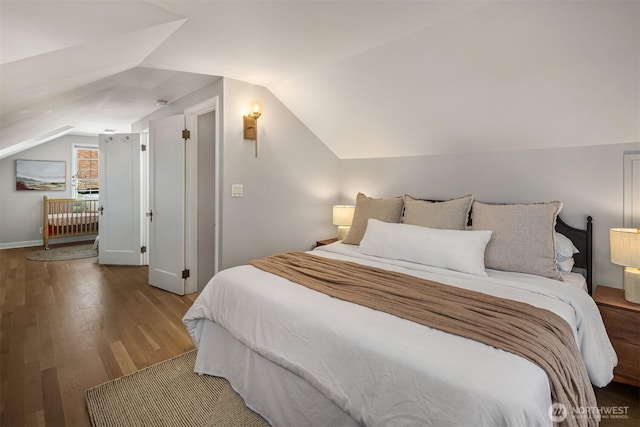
(30, 243)
(25, 244)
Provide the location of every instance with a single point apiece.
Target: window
(85, 179)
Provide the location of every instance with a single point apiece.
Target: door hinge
(186, 134)
(143, 249)
(185, 274)
(143, 147)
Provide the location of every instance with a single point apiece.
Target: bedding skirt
(279, 395)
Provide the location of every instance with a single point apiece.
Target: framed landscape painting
(41, 175)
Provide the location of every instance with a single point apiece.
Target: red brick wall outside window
(87, 178)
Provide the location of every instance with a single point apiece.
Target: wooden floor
(70, 325)
(619, 405)
(67, 326)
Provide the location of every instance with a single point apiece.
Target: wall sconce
(625, 251)
(343, 217)
(250, 125)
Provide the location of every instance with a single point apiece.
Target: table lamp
(625, 251)
(343, 217)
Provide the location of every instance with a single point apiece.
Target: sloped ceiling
(369, 78)
(515, 75)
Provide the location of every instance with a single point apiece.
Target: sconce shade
(250, 126)
(625, 246)
(343, 215)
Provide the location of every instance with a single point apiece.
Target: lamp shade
(625, 246)
(343, 215)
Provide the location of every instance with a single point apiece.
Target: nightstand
(622, 321)
(326, 241)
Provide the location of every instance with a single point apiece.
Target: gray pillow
(387, 210)
(522, 238)
(450, 214)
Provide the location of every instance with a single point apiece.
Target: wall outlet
(40, 230)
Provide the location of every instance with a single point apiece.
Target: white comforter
(383, 370)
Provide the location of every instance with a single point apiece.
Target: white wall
(288, 189)
(588, 180)
(21, 211)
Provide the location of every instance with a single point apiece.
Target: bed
(67, 218)
(301, 357)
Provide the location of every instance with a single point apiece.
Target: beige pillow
(451, 214)
(522, 238)
(387, 210)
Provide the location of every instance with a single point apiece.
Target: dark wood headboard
(583, 240)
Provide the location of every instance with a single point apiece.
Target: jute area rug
(63, 253)
(169, 394)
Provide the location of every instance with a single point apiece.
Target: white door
(120, 216)
(167, 204)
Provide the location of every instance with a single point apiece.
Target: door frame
(191, 215)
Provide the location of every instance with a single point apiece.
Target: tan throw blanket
(535, 334)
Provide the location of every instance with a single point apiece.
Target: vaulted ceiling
(369, 78)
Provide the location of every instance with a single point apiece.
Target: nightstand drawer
(621, 325)
(628, 369)
(622, 320)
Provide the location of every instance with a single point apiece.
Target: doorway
(203, 198)
(199, 245)
(206, 247)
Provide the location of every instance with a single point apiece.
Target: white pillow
(452, 249)
(565, 265)
(564, 246)
(564, 253)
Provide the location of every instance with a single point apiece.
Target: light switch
(237, 190)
